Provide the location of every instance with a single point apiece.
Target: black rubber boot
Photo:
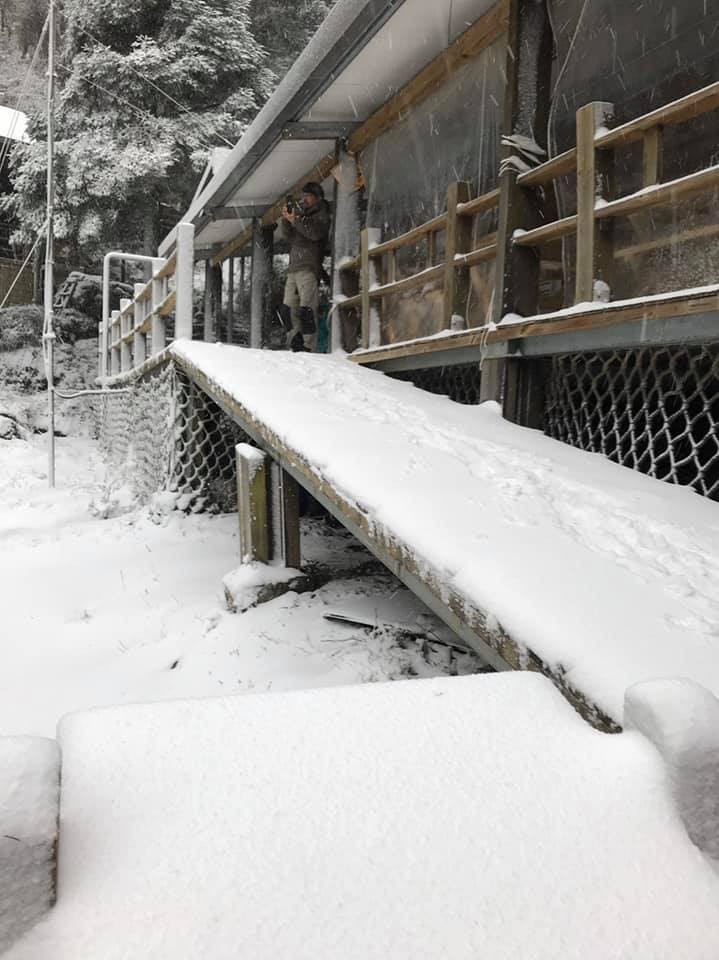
(285, 315)
(297, 343)
(306, 317)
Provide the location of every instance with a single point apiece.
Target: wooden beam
(411, 236)
(550, 170)
(408, 283)
(253, 503)
(487, 201)
(684, 236)
(589, 118)
(554, 230)
(669, 192)
(470, 44)
(652, 159)
(679, 111)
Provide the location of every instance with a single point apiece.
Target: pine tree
(148, 88)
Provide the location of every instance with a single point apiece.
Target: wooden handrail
(405, 239)
(487, 201)
(679, 111)
(558, 166)
(554, 230)
(408, 283)
(668, 192)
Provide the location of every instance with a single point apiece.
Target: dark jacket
(307, 238)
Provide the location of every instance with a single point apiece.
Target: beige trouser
(301, 290)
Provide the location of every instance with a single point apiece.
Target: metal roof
(364, 52)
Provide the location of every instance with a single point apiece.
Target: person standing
(306, 226)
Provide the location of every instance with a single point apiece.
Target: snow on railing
(138, 330)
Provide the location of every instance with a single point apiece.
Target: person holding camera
(306, 226)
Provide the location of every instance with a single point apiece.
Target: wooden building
(524, 197)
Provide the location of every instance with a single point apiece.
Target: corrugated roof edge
(349, 26)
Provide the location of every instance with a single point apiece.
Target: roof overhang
(362, 55)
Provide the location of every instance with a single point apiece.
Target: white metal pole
(49, 333)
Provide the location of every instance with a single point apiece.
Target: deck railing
(138, 330)
(591, 159)
(459, 255)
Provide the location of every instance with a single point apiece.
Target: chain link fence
(163, 434)
(653, 409)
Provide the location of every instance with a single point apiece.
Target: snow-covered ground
(131, 608)
(424, 820)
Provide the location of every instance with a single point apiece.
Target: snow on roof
(416, 819)
(606, 574)
(13, 124)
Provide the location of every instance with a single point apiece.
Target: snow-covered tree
(147, 89)
(284, 27)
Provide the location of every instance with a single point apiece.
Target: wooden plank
(350, 303)
(604, 315)
(679, 111)
(685, 236)
(487, 201)
(458, 241)
(168, 304)
(554, 230)
(481, 254)
(408, 283)
(405, 239)
(558, 166)
(669, 192)
(652, 160)
(253, 503)
(349, 265)
(481, 34)
(168, 270)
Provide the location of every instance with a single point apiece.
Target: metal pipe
(48, 332)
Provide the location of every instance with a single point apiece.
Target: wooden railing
(362, 273)
(139, 328)
(591, 159)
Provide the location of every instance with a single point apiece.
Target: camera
(291, 205)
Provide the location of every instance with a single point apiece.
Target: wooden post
(230, 298)
(125, 348)
(253, 504)
(591, 182)
(528, 67)
(459, 240)
(139, 343)
(369, 237)
(241, 304)
(114, 341)
(184, 280)
(285, 517)
(653, 159)
(208, 334)
(159, 287)
(260, 283)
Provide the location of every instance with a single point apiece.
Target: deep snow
(131, 608)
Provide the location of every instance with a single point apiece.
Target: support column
(285, 517)
(184, 277)
(125, 348)
(526, 111)
(261, 283)
(230, 299)
(345, 332)
(369, 238)
(208, 334)
(253, 503)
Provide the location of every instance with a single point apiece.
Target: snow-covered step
(418, 819)
(29, 806)
(540, 555)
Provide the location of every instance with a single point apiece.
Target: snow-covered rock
(682, 719)
(254, 583)
(29, 789)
